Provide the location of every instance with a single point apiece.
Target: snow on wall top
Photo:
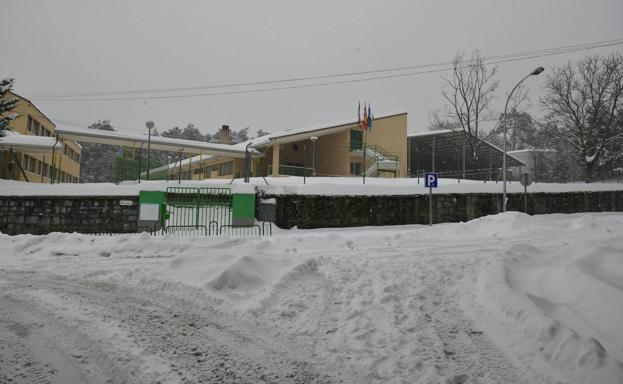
(324, 186)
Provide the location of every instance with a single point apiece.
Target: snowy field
(502, 299)
(295, 185)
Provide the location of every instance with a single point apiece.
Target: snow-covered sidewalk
(502, 299)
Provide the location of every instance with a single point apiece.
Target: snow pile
(567, 299)
(504, 298)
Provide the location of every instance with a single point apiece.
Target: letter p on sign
(430, 180)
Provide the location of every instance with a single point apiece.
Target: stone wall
(97, 163)
(85, 214)
(347, 211)
(119, 214)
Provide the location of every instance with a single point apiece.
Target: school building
(335, 149)
(38, 166)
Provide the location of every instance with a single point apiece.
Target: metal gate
(191, 211)
(196, 211)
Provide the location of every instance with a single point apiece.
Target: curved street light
(536, 71)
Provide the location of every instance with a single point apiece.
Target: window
(226, 168)
(355, 169)
(356, 140)
(34, 127)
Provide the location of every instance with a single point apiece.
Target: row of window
(42, 168)
(72, 154)
(36, 128)
(223, 170)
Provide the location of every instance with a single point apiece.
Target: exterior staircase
(380, 161)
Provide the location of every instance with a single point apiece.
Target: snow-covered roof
(29, 143)
(184, 162)
(318, 129)
(455, 138)
(297, 134)
(126, 139)
(430, 133)
(530, 150)
(288, 135)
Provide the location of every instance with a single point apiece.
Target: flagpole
(364, 156)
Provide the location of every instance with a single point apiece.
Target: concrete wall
(346, 211)
(84, 214)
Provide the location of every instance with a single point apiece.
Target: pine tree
(6, 105)
(103, 125)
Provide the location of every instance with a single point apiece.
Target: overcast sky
(71, 46)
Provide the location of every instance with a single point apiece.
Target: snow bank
(567, 298)
(390, 303)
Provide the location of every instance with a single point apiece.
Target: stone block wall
(85, 214)
(305, 211)
(119, 214)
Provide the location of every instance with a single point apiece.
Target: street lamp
(169, 172)
(313, 140)
(149, 125)
(536, 71)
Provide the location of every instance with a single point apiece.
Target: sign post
(525, 180)
(430, 182)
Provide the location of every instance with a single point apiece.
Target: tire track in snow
(190, 344)
(38, 349)
(394, 317)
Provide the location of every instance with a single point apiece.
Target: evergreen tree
(240, 136)
(261, 133)
(175, 133)
(190, 132)
(103, 125)
(6, 105)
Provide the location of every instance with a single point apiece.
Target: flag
(364, 124)
(359, 114)
(369, 118)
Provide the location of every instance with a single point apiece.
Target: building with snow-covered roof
(30, 151)
(450, 154)
(332, 149)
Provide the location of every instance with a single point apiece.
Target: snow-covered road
(502, 299)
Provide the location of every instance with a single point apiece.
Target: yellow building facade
(40, 168)
(327, 150)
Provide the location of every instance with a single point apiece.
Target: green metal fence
(193, 211)
(128, 168)
(205, 211)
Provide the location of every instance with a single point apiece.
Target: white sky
(83, 46)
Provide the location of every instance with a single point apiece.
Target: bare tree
(438, 123)
(470, 90)
(584, 102)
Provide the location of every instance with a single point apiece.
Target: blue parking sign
(430, 180)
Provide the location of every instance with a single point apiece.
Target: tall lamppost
(536, 71)
(149, 125)
(313, 140)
